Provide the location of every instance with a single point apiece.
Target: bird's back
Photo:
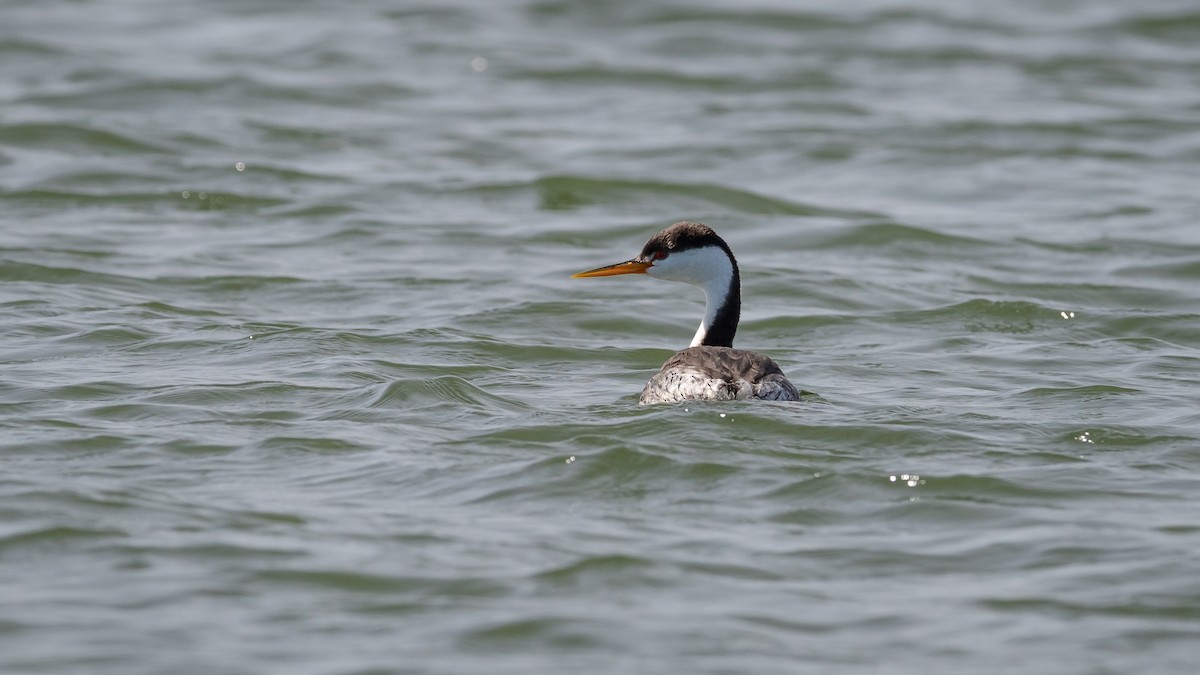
(719, 374)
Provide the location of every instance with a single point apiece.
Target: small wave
(11, 270)
(313, 444)
(1088, 393)
(361, 582)
(989, 316)
(416, 393)
(199, 200)
(1183, 270)
(1181, 27)
(569, 193)
(879, 235)
(537, 634)
(588, 569)
(54, 536)
(76, 138)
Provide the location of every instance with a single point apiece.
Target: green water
(293, 377)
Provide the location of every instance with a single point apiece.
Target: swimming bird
(710, 368)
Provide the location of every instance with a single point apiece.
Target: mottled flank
(718, 374)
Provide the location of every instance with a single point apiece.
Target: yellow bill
(627, 267)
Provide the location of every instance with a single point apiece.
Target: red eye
(659, 255)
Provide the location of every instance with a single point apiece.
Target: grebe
(710, 368)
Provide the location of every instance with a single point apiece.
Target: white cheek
(697, 266)
(667, 269)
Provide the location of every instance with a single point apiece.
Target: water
(295, 379)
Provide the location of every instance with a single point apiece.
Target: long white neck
(715, 273)
(715, 291)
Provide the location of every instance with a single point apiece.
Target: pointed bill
(627, 267)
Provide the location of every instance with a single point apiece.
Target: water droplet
(201, 195)
(186, 194)
(240, 166)
(909, 479)
(479, 64)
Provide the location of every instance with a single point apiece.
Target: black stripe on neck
(725, 323)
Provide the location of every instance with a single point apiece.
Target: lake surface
(293, 377)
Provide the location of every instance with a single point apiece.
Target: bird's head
(687, 252)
